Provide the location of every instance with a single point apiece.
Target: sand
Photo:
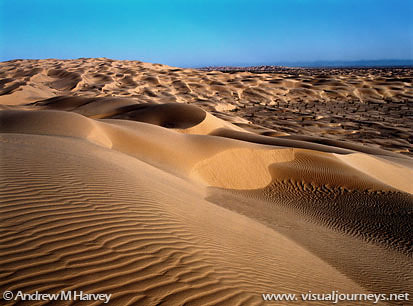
(151, 183)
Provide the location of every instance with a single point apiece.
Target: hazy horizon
(209, 33)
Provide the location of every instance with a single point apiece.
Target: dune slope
(166, 204)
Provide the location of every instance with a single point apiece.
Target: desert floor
(170, 186)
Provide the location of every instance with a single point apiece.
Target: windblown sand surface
(161, 186)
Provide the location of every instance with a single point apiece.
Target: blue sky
(207, 32)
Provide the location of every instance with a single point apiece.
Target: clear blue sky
(207, 32)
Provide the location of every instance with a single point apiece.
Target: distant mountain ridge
(359, 63)
(389, 63)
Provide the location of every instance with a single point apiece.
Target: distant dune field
(170, 186)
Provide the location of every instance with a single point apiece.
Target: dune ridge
(371, 106)
(165, 203)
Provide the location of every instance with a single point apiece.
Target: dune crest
(372, 106)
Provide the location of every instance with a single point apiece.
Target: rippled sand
(110, 186)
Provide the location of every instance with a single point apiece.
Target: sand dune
(162, 203)
(372, 106)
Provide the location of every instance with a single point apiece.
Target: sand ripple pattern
(116, 177)
(83, 225)
(76, 216)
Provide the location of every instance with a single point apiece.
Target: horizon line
(377, 63)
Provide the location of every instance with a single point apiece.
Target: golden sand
(150, 183)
